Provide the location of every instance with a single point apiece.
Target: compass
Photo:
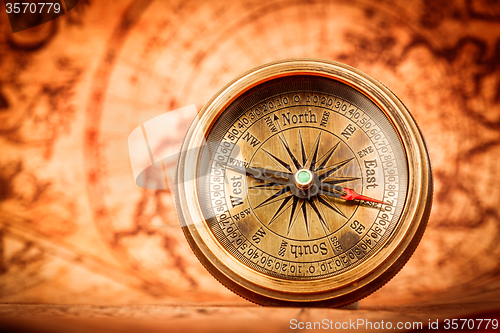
(304, 182)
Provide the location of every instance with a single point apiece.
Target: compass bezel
(345, 287)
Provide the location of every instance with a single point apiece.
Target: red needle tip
(352, 195)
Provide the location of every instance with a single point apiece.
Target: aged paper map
(74, 227)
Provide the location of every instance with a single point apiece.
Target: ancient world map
(74, 227)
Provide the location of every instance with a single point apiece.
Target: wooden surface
(75, 229)
(239, 318)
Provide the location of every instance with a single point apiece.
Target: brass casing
(338, 290)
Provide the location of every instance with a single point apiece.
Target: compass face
(300, 186)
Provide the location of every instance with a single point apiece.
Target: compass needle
(303, 183)
(267, 187)
(352, 195)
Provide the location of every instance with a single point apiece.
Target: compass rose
(311, 184)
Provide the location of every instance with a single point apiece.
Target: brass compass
(304, 183)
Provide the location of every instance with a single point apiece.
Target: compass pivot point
(304, 179)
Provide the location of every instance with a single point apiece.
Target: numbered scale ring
(304, 183)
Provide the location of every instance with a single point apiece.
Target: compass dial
(304, 182)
